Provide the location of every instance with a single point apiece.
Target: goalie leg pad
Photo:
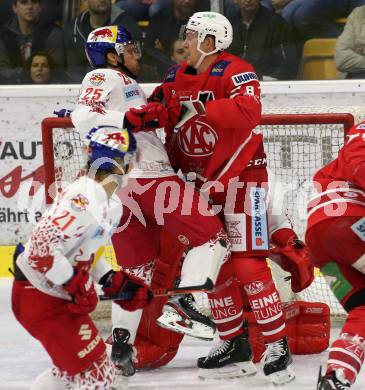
(166, 269)
(307, 323)
(203, 263)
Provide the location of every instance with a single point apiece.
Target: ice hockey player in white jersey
(109, 94)
(53, 291)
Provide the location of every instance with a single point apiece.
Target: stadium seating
(317, 60)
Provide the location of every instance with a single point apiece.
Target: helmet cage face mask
(136, 48)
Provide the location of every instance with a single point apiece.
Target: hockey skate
(333, 381)
(181, 314)
(231, 359)
(122, 354)
(277, 361)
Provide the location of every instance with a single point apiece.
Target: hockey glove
(84, 297)
(147, 117)
(174, 110)
(294, 258)
(115, 283)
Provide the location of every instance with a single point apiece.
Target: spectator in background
(164, 28)
(142, 9)
(317, 18)
(350, 46)
(99, 13)
(40, 69)
(22, 35)
(178, 52)
(264, 39)
(152, 73)
(283, 7)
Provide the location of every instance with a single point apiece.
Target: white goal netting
(296, 146)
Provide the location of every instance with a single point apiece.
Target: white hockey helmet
(212, 23)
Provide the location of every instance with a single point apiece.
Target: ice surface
(22, 359)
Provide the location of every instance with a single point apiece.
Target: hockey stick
(190, 108)
(160, 292)
(130, 288)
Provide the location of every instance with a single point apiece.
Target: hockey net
(296, 144)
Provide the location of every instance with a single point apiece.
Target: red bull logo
(102, 33)
(79, 202)
(97, 79)
(119, 137)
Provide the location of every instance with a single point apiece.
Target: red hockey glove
(157, 94)
(148, 117)
(174, 110)
(84, 297)
(294, 258)
(117, 282)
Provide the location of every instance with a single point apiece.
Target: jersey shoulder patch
(219, 68)
(97, 78)
(171, 74)
(79, 202)
(132, 92)
(243, 78)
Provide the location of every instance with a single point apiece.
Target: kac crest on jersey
(197, 138)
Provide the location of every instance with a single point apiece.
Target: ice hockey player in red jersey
(336, 238)
(215, 143)
(53, 291)
(110, 94)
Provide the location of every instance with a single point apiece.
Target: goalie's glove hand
(150, 116)
(139, 294)
(84, 297)
(294, 258)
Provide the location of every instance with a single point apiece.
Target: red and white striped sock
(265, 303)
(226, 307)
(347, 353)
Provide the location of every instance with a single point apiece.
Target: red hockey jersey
(341, 183)
(219, 144)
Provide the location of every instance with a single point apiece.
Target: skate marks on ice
(182, 373)
(22, 359)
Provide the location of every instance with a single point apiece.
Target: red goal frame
(346, 119)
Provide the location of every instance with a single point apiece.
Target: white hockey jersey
(105, 96)
(72, 229)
